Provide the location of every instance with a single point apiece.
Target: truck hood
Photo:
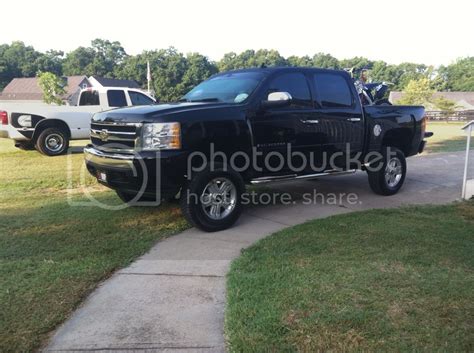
(158, 112)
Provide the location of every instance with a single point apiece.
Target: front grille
(114, 136)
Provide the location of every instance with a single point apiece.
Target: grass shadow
(450, 145)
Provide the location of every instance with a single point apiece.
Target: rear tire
(212, 200)
(52, 142)
(390, 173)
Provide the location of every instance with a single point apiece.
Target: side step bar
(272, 179)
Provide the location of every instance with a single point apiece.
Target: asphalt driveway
(173, 298)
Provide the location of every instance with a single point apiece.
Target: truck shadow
(76, 149)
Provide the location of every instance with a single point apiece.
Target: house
(464, 100)
(27, 89)
(97, 81)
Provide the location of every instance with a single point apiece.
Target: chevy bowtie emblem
(104, 134)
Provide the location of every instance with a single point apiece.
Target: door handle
(310, 121)
(353, 119)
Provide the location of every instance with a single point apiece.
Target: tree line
(174, 73)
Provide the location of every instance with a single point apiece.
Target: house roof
(23, 88)
(464, 100)
(27, 88)
(113, 82)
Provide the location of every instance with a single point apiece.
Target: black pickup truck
(250, 126)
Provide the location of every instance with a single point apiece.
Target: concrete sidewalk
(173, 298)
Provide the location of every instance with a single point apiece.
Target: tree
(51, 61)
(107, 56)
(52, 87)
(357, 63)
(447, 106)
(173, 74)
(17, 60)
(198, 69)
(78, 62)
(325, 61)
(100, 59)
(302, 61)
(458, 76)
(168, 67)
(417, 92)
(409, 71)
(251, 58)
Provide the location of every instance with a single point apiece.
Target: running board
(272, 179)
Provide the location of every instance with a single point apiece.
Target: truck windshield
(228, 88)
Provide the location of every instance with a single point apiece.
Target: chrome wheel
(54, 142)
(219, 198)
(393, 172)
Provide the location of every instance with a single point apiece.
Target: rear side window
(89, 98)
(116, 98)
(332, 90)
(296, 85)
(139, 98)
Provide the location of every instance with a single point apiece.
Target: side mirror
(277, 99)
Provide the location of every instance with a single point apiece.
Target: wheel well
(399, 138)
(48, 123)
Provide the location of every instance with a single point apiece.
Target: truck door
(341, 124)
(277, 129)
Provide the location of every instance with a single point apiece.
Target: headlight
(161, 136)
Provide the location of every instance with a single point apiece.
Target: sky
(430, 32)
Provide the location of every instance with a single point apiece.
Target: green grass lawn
(53, 254)
(448, 137)
(381, 280)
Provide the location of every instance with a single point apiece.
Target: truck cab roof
(274, 69)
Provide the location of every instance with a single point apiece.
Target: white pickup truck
(49, 128)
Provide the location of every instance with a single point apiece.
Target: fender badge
(377, 130)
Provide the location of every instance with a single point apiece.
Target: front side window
(89, 98)
(333, 90)
(139, 98)
(116, 98)
(233, 87)
(296, 85)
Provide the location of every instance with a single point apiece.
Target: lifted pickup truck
(251, 126)
(49, 128)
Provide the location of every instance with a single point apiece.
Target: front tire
(212, 201)
(52, 142)
(388, 177)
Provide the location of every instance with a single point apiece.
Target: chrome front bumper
(106, 159)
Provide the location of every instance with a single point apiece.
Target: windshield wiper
(183, 100)
(205, 100)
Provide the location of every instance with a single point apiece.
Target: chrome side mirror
(277, 99)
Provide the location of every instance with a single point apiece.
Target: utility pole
(148, 75)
